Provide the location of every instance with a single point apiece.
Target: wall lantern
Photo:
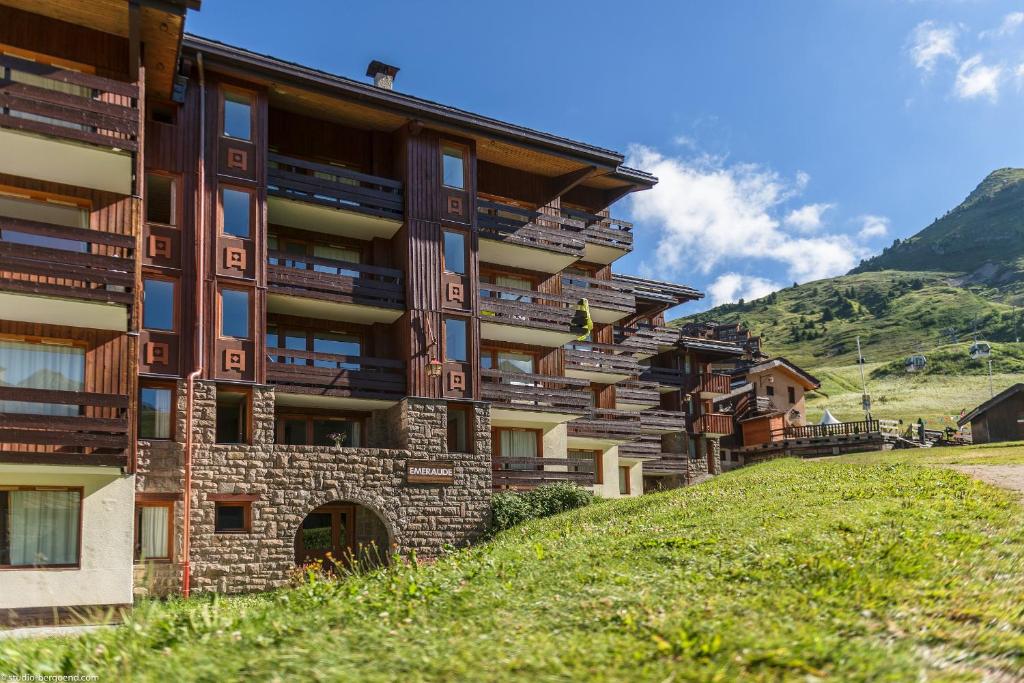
(434, 367)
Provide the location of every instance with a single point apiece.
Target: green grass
(787, 570)
(982, 454)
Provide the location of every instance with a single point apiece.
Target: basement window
(232, 517)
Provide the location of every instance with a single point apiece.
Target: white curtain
(44, 527)
(516, 283)
(41, 366)
(337, 254)
(518, 444)
(56, 86)
(154, 532)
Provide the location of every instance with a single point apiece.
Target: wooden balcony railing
(711, 383)
(606, 294)
(667, 464)
(602, 423)
(332, 280)
(107, 116)
(823, 431)
(332, 374)
(603, 230)
(525, 473)
(594, 357)
(718, 424)
(528, 228)
(334, 187)
(647, 446)
(646, 339)
(662, 421)
(535, 392)
(102, 269)
(98, 435)
(666, 377)
(638, 393)
(513, 306)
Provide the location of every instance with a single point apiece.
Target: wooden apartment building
(252, 313)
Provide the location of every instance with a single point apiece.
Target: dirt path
(1006, 476)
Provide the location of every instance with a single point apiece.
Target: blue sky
(792, 137)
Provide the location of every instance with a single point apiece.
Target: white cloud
(872, 226)
(708, 213)
(976, 79)
(1011, 22)
(732, 287)
(931, 43)
(808, 218)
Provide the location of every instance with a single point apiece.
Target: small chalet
(1001, 418)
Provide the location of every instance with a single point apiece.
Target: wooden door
(330, 529)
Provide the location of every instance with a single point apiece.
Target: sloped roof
(992, 402)
(793, 368)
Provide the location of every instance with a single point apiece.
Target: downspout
(200, 341)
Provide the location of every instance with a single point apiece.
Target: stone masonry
(288, 482)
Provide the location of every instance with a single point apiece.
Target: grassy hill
(784, 571)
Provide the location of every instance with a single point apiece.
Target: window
(237, 116)
(347, 433)
(460, 418)
(232, 417)
(53, 211)
(575, 277)
(30, 365)
(39, 527)
(512, 282)
(517, 443)
(335, 253)
(769, 390)
(455, 252)
(792, 394)
(234, 313)
(232, 517)
(623, 480)
(155, 412)
(162, 113)
(337, 344)
(593, 456)
(158, 304)
(236, 211)
(293, 432)
(454, 167)
(455, 345)
(160, 199)
(153, 539)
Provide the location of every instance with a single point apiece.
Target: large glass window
(293, 340)
(39, 528)
(344, 254)
(338, 344)
(454, 167)
(325, 433)
(455, 252)
(234, 313)
(160, 199)
(158, 304)
(155, 412)
(517, 443)
(455, 341)
(236, 209)
(57, 213)
(41, 366)
(237, 116)
(152, 532)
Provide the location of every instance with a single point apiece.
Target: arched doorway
(349, 532)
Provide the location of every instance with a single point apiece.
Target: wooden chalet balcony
(668, 379)
(827, 431)
(336, 375)
(528, 473)
(332, 289)
(646, 447)
(97, 435)
(322, 197)
(662, 421)
(604, 425)
(601, 363)
(713, 424)
(55, 133)
(646, 340)
(638, 395)
(609, 301)
(710, 385)
(668, 464)
(523, 238)
(525, 316)
(606, 238)
(535, 393)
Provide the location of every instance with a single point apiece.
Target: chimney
(383, 74)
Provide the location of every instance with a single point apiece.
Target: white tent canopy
(828, 419)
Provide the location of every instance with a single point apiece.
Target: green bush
(510, 508)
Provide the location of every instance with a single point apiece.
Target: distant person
(920, 429)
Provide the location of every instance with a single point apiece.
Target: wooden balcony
(534, 398)
(523, 238)
(325, 198)
(637, 395)
(317, 287)
(606, 238)
(526, 317)
(662, 421)
(668, 464)
(54, 134)
(646, 340)
(609, 301)
(601, 427)
(646, 447)
(98, 435)
(827, 431)
(334, 375)
(710, 385)
(713, 424)
(601, 363)
(528, 473)
(667, 379)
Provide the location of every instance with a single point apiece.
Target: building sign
(430, 472)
